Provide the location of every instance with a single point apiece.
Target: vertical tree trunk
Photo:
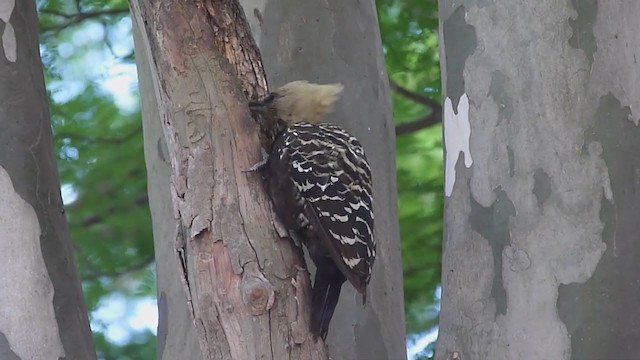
(191, 74)
(176, 336)
(244, 285)
(541, 180)
(339, 41)
(42, 311)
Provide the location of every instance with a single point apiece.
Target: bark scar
(180, 247)
(300, 327)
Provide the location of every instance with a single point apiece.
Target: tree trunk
(244, 287)
(176, 336)
(42, 310)
(192, 74)
(339, 41)
(541, 180)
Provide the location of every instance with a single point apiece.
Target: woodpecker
(319, 181)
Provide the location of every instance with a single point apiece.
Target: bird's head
(300, 101)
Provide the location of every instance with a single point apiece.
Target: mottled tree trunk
(542, 180)
(42, 311)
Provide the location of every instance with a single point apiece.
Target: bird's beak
(257, 107)
(262, 105)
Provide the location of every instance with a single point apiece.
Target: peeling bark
(236, 271)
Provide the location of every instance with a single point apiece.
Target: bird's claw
(260, 164)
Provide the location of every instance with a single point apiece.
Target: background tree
(352, 56)
(541, 142)
(88, 55)
(42, 313)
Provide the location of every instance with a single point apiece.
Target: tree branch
(97, 219)
(140, 265)
(434, 118)
(420, 99)
(76, 18)
(97, 139)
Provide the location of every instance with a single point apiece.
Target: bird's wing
(331, 172)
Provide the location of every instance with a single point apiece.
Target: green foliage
(409, 30)
(101, 160)
(419, 164)
(102, 155)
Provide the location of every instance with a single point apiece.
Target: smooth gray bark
(542, 144)
(42, 310)
(339, 41)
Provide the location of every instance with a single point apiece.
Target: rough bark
(42, 311)
(339, 41)
(541, 145)
(213, 228)
(176, 337)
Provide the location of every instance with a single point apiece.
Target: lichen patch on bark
(27, 291)
(457, 131)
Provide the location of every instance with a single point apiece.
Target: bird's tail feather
(324, 299)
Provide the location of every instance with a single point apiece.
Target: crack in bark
(230, 27)
(270, 335)
(180, 244)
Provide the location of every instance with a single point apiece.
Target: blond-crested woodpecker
(319, 180)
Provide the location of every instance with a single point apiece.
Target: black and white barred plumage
(330, 175)
(320, 183)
